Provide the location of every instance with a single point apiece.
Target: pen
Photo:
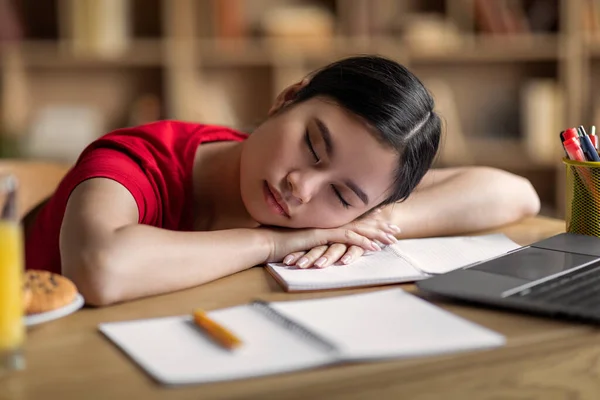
(217, 332)
(593, 137)
(586, 145)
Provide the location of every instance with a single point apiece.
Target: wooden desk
(543, 358)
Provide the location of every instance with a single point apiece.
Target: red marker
(570, 133)
(573, 149)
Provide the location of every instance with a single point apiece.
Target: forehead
(358, 154)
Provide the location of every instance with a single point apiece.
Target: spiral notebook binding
(266, 309)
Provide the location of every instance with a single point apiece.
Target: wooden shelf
(50, 54)
(491, 49)
(233, 52)
(271, 51)
(268, 51)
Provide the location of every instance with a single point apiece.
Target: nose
(303, 185)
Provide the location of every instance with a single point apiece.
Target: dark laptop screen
(532, 263)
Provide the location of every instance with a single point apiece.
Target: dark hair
(391, 100)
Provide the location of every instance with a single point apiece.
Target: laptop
(558, 276)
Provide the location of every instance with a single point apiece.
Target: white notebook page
(440, 255)
(379, 267)
(174, 351)
(407, 260)
(388, 323)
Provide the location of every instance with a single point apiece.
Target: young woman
(341, 164)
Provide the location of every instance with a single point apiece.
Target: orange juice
(12, 329)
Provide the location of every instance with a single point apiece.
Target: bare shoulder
(96, 209)
(472, 174)
(438, 175)
(100, 202)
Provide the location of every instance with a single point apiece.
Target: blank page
(444, 254)
(174, 351)
(376, 268)
(388, 323)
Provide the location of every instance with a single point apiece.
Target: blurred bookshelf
(507, 75)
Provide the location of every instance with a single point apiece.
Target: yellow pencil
(216, 331)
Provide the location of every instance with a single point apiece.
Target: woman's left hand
(325, 256)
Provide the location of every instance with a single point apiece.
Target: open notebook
(405, 261)
(287, 336)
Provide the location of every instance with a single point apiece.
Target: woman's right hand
(284, 241)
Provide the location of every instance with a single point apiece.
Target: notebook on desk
(406, 261)
(288, 336)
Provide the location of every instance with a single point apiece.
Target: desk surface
(543, 358)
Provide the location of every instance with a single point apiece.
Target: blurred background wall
(507, 75)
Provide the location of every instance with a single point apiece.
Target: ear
(287, 96)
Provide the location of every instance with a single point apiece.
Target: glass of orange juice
(12, 328)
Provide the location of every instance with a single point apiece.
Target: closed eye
(310, 147)
(340, 197)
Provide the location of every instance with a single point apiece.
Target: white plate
(40, 318)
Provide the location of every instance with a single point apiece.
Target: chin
(262, 215)
(296, 224)
(265, 217)
(277, 225)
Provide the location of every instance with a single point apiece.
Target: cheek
(325, 216)
(273, 151)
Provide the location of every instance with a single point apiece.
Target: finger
(331, 255)
(374, 214)
(386, 226)
(293, 258)
(350, 237)
(352, 254)
(376, 231)
(394, 228)
(307, 260)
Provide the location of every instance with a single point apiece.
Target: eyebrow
(326, 134)
(361, 195)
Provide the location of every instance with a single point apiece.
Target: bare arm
(461, 200)
(111, 258)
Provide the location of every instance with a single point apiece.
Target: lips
(275, 201)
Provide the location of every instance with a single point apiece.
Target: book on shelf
(455, 148)
(96, 28)
(542, 119)
(515, 17)
(229, 19)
